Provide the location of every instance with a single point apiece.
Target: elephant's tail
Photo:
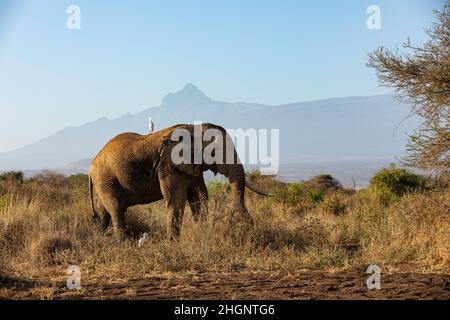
(91, 195)
(256, 189)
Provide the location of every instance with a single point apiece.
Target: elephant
(133, 169)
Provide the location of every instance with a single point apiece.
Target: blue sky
(129, 54)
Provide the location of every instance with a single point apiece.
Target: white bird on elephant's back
(151, 125)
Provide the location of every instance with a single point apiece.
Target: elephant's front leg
(197, 196)
(173, 188)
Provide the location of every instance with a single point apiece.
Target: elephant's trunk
(236, 176)
(237, 181)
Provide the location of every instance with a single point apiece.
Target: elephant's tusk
(256, 190)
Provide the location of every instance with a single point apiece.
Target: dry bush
(323, 183)
(265, 182)
(337, 203)
(49, 178)
(12, 177)
(43, 229)
(439, 183)
(416, 229)
(52, 250)
(322, 191)
(3, 271)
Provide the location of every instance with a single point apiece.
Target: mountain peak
(188, 96)
(190, 88)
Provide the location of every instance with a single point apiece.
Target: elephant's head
(195, 149)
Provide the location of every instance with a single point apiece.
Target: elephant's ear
(173, 152)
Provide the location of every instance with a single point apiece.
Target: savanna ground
(311, 240)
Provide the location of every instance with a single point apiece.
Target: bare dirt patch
(305, 285)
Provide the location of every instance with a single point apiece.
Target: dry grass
(46, 227)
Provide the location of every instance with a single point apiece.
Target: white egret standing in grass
(143, 239)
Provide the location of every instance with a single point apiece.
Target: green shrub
(295, 192)
(393, 183)
(315, 197)
(311, 192)
(215, 187)
(291, 195)
(4, 199)
(298, 196)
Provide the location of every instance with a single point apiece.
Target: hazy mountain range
(352, 127)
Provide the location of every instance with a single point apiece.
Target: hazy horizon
(116, 117)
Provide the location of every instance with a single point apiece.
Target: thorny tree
(421, 78)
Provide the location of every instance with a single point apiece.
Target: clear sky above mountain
(130, 54)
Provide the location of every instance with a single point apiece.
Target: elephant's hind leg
(102, 216)
(197, 196)
(117, 212)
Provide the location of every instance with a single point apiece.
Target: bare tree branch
(420, 76)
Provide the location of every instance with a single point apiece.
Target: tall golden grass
(46, 224)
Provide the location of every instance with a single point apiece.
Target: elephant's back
(126, 137)
(120, 143)
(117, 148)
(129, 146)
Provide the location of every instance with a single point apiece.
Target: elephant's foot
(250, 220)
(173, 235)
(120, 234)
(200, 217)
(102, 222)
(239, 215)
